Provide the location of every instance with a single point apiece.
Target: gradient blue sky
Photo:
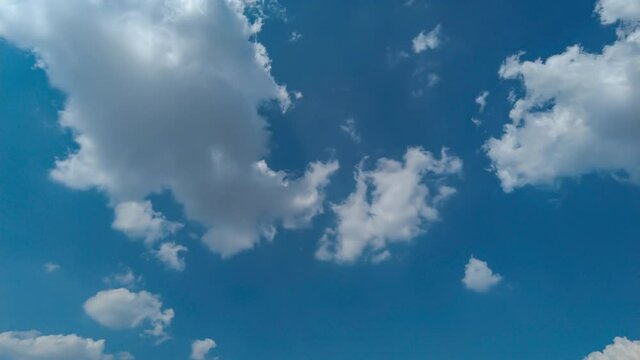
(567, 250)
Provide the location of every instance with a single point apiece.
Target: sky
(275, 179)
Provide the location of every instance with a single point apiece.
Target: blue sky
(303, 180)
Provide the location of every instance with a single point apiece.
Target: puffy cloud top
(31, 345)
(579, 113)
(164, 95)
(200, 348)
(479, 277)
(621, 349)
(611, 11)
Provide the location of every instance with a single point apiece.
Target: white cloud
(479, 277)
(621, 349)
(611, 11)
(477, 122)
(428, 41)
(404, 197)
(31, 345)
(579, 114)
(121, 309)
(481, 100)
(349, 128)
(50, 267)
(125, 278)
(163, 96)
(200, 348)
(381, 257)
(138, 220)
(433, 79)
(172, 255)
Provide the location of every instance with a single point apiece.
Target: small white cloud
(433, 79)
(621, 349)
(126, 278)
(172, 255)
(481, 100)
(479, 277)
(31, 345)
(50, 267)
(428, 41)
(391, 204)
(295, 37)
(200, 348)
(381, 257)
(349, 128)
(138, 220)
(477, 122)
(122, 309)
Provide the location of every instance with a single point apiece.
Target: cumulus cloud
(164, 95)
(621, 349)
(122, 308)
(349, 128)
(31, 345)
(391, 204)
(611, 11)
(479, 277)
(579, 112)
(138, 220)
(200, 348)
(172, 255)
(426, 41)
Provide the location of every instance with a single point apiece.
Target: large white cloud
(479, 277)
(580, 112)
(163, 95)
(122, 308)
(200, 348)
(31, 345)
(404, 196)
(621, 349)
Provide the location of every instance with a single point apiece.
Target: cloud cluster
(31, 345)
(579, 112)
(164, 95)
(621, 349)
(391, 203)
(479, 277)
(122, 309)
